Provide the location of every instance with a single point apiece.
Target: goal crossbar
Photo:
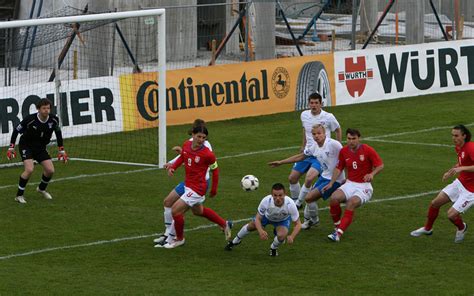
(160, 13)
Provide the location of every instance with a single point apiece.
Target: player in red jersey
(196, 159)
(362, 164)
(460, 192)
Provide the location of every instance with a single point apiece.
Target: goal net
(103, 72)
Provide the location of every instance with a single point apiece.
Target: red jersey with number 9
(466, 158)
(196, 163)
(358, 163)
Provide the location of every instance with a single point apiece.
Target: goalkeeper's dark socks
(21, 186)
(44, 182)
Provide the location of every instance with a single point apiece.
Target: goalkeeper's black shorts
(39, 154)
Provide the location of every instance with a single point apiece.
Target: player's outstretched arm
(291, 159)
(296, 229)
(258, 225)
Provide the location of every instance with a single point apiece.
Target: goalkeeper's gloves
(11, 153)
(62, 155)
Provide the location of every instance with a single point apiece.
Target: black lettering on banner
(151, 100)
(392, 72)
(77, 107)
(9, 113)
(468, 51)
(171, 93)
(217, 89)
(243, 82)
(420, 83)
(64, 108)
(105, 105)
(182, 94)
(445, 67)
(206, 95)
(30, 100)
(254, 90)
(190, 88)
(265, 85)
(229, 86)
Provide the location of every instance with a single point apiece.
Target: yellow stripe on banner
(226, 91)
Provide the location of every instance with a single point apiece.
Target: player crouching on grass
(278, 210)
(36, 131)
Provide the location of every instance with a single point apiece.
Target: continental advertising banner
(227, 91)
(402, 71)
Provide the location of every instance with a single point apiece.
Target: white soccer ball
(249, 183)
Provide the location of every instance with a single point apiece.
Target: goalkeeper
(36, 131)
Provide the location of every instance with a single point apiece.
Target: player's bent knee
(453, 214)
(170, 200)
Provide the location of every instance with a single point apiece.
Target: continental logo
(280, 82)
(188, 95)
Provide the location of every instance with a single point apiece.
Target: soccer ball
(249, 183)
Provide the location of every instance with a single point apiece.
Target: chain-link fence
(207, 32)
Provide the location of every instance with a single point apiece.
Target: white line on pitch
(409, 143)
(374, 138)
(435, 128)
(85, 176)
(116, 240)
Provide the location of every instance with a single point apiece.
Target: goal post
(100, 112)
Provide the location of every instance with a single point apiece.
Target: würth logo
(355, 76)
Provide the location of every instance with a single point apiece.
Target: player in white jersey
(175, 194)
(310, 165)
(278, 210)
(326, 151)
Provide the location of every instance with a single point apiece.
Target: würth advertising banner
(394, 72)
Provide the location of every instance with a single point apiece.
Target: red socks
(346, 220)
(335, 210)
(179, 226)
(432, 215)
(458, 222)
(213, 217)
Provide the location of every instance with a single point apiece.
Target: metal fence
(206, 32)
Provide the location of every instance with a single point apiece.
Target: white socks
(168, 217)
(276, 243)
(303, 192)
(295, 191)
(311, 211)
(242, 233)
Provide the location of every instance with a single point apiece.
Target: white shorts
(362, 190)
(191, 198)
(460, 196)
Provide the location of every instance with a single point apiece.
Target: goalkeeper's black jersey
(37, 134)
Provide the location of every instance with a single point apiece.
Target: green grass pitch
(95, 236)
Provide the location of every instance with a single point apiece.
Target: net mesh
(106, 75)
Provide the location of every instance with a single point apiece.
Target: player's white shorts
(460, 196)
(191, 198)
(362, 190)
